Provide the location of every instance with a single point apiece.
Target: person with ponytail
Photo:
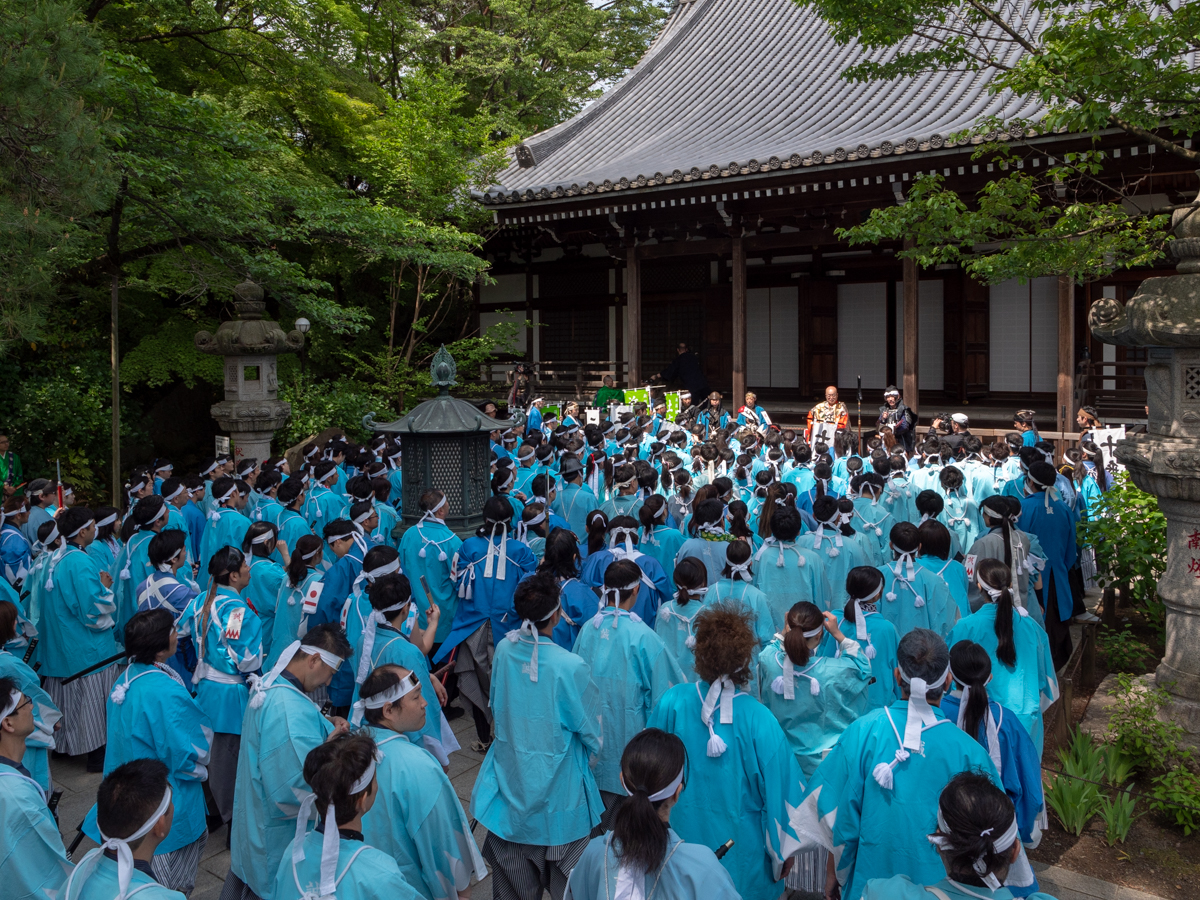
(228, 639)
(676, 617)
(75, 617)
(596, 533)
(642, 847)
(226, 525)
(658, 539)
(1003, 541)
(1001, 734)
(877, 636)
(1023, 674)
(417, 819)
(787, 570)
(151, 715)
(427, 552)
(884, 774)
(281, 726)
(535, 792)
(579, 601)
(106, 548)
(148, 518)
(165, 589)
(298, 597)
(936, 556)
(735, 747)
(630, 666)
(814, 697)
(333, 859)
(913, 596)
(261, 545)
(976, 848)
(736, 585)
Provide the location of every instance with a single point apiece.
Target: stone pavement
(79, 792)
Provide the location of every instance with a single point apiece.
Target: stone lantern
(251, 410)
(1164, 317)
(445, 445)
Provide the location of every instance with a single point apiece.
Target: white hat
(960, 418)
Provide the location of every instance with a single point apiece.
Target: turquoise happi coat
(76, 626)
(45, 716)
(688, 872)
(33, 861)
(427, 550)
(362, 873)
(789, 572)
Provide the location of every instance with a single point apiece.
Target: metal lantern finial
(442, 370)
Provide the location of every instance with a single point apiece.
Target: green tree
(1110, 64)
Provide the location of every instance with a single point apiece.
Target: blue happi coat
(688, 872)
(427, 551)
(33, 861)
(229, 646)
(76, 625)
(484, 595)
(45, 716)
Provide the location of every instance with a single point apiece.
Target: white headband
(175, 493)
(330, 474)
(406, 685)
(310, 555)
(263, 538)
(80, 528)
(386, 569)
(329, 841)
(665, 794)
(14, 700)
(944, 841)
(213, 465)
(362, 517)
(860, 619)
(125, 865)
(259, 685)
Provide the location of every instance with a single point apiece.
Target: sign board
(222, 446)
(674, 406)
(616, 410)
(823, 432)
(591, 416)
(638, 395)
(554, 408)
(1106, 439)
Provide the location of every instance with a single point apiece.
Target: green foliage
(1117, 765)
(1074, 802)
(170, 354)
(316, 407)
(1082, 757)
(1091, 67)
(1122, 651)
(1129, 534)
(1176, 794)
(1118, 816)
(1136, 728)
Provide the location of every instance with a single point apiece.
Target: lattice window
(576, 282)
(673, 277)
(572, 334)
(445, 466)
(1191, 383)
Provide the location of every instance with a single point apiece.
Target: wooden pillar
(633, 313)
(912, 332)
(1065, 410)
(739, 322)
(528, 314)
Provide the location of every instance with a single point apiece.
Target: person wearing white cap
(333, 861)
(814, 697)
(77, 631)
(744, 780)
(134, 813)
(1024, 679)
(282, 725)
(33, 861)
(151, 714)
(417, 819)
(630, 666)
(427, 552)
(1001, 733)
(226, 526)
(643, 856)
(883, 776)
(977, 847)
(535, 792)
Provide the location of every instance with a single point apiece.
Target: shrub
(1122, 651)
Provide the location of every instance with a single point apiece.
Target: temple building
(697, 201)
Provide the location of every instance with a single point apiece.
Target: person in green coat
(608, 394)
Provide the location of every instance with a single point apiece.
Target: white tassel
(919, 602)
(716, 746)
(125, 575)
(883, 776)
(870, 651)
(833, 552)
(779, 560)
(878, 531)
(441, 555)
(891, 595)
(690, 643)
(118, 694)
(777, 684)
(422, 553)
(814, 687)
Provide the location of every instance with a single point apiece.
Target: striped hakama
(177, 870)
(524, 871)
(82, 701)
(236, 889)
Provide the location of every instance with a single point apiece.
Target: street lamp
(303, 326)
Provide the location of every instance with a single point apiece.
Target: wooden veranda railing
(1116, 389)
(562, 380)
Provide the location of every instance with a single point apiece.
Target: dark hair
(621, 572)
(802, 617)
(976, 812)
(934, 538)
(560, 557)
(338, 529)
(596, 525)
(332, 767)
(972, 667)
(536, 598)
(359, 487)
(496, 509)
(257, 530)
(651, 761)
(389, 590)
(923, 654)
(104, 532)
(997, 505)
(292, 488)
(707, 512)
(951, 478)
(128, 796)
(148, 633)
(824, 509)
(224, 563)
(8, 686)
(736, 553)
(785, 523)
(998, 576)
(930, 503)
(328, 636)
(298, 566)
(377, 681)
(649, 512)
(74, 518)
(690, 575)
(905, 537)
(738, 512)
(43, 532)
(8, 622)
(145, 513)
(861, 582)
(725, 642)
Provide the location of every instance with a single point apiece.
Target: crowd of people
(703, 658)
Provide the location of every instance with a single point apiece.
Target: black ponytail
(998, 576)
(690, 575)
(802, 617)
(650, 763)
(999, 510)
(972, 667)
(298, 566)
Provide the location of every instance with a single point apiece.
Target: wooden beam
(718, 246)
(912, 332)
(1065, 411)
(739, 322)
(633, 314)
